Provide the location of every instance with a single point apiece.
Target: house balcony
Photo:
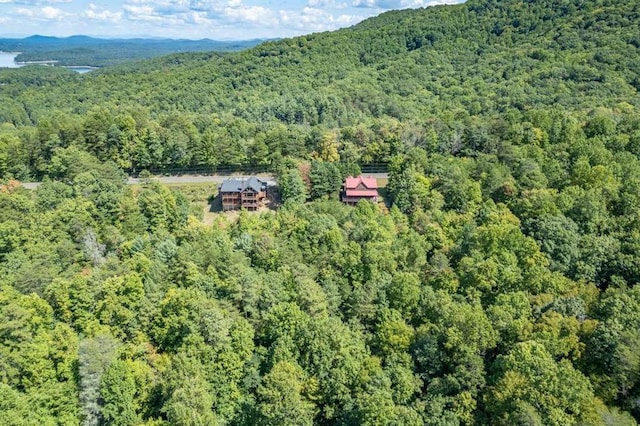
(352, 201)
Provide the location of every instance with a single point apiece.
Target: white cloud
(159, 13)
(321, 3)
(223, 19)
(99, 14)
(315, 19)
(51, 13)
(237, 15)
(201, 6)
(197, 18)
(399, 4)
(148, 14)
(34, 2)
(313, 11)
(251, 14)
(139, 10)
(422, 3)
(200, 12)
(376, 4)
(46, 13)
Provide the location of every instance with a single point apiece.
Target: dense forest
(97, 52)
(446, 71)
(497, 283)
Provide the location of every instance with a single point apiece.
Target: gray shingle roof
(255, 184)
(239, 185)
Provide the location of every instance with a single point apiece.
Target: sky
(190, 19)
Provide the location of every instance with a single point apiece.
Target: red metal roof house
(359, 188)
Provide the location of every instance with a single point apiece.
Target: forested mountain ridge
(497, 54)
(446, 64)
(497, 284)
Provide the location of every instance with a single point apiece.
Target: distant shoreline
(87, 67)
(50, 62)
(9, 62)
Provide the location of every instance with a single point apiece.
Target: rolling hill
(482, 56)
(484, 59)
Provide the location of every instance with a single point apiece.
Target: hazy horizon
(129, 37)
(227, 20)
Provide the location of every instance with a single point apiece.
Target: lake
(7, 60)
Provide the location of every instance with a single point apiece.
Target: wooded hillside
(496, 285)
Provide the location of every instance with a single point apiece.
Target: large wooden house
(359, 188)
(239, 194)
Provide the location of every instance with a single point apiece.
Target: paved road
(200, 179)
(176, 180)
(186, 179)
(377, 175)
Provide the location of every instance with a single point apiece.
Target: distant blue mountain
(83, 50)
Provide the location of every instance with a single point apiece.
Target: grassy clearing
(195, 192)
